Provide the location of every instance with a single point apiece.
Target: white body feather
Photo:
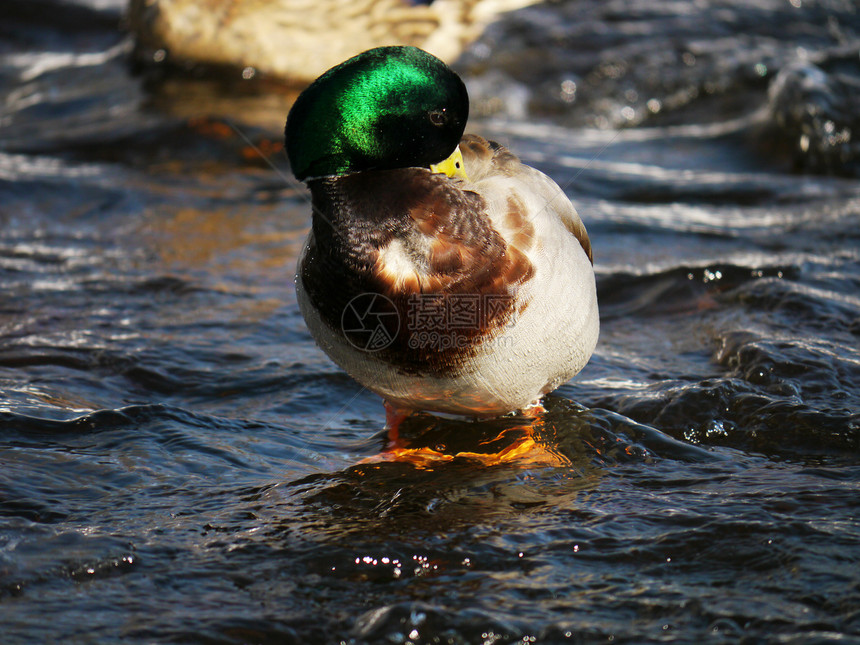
(544, 346)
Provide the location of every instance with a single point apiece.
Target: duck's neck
(346, 224)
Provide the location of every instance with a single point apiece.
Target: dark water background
(179, 463)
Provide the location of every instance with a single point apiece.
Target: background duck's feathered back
(297, 40)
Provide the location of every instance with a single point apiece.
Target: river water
(180, 463)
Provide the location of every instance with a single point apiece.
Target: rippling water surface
(181, 464)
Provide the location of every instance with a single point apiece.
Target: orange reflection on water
(522, 443)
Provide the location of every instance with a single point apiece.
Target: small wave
(813, 117)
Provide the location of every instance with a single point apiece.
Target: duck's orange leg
(397, 449)
(393, 418)
(520, 444)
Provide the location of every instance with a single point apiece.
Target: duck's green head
(389, 107)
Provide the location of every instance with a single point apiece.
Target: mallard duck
(440, 272)
(297, 40)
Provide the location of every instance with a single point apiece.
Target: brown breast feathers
(424, 244)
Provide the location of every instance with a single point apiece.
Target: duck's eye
(438, 117)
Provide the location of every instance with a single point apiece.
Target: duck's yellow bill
(452, 166)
